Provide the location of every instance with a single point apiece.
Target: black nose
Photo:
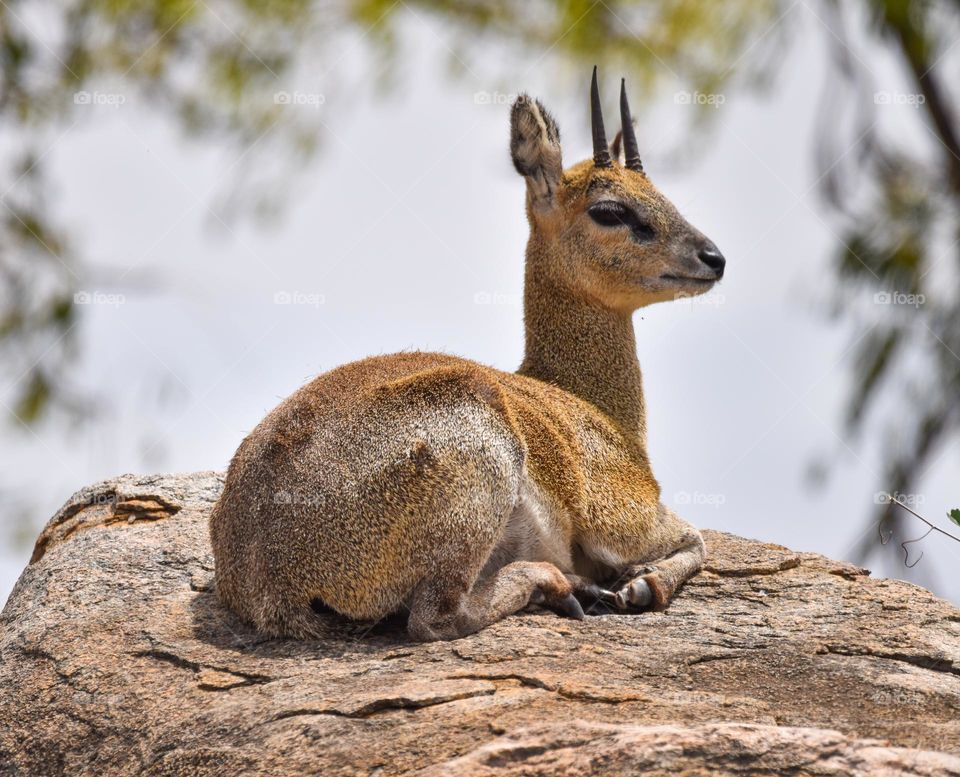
(712, 257)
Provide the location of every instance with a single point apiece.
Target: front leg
(652, 585)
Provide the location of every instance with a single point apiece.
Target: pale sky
(407, 221)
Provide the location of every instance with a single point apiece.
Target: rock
(580, 748)
(115, 658)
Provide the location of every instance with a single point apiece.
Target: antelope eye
(610, 214)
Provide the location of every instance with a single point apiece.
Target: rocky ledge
(115, 658)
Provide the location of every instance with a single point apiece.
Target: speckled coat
(430, 483)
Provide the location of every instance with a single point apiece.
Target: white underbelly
(535, 531)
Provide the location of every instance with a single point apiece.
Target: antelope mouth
(688, 279)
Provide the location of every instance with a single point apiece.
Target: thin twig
(906, 552)
(915, 514)
(903, 545)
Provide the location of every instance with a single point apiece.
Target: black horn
(601, 154)
(630, 150)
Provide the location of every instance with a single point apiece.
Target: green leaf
(954, 515)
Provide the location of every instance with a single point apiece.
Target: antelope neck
(584, 348)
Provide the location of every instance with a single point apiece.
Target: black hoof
(569, 607)
(635, 596)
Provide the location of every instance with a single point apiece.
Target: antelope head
(600, 229)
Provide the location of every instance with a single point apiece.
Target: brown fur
(457, 490)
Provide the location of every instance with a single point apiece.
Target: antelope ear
(535, 149)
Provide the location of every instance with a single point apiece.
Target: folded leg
(452, 607)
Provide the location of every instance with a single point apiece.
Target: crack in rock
(209, 678)
(755, 570)
(105, 508)
(414, 698)
(930, 663)
(568, 692)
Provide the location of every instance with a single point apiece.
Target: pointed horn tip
(601, 154)
(631, 150)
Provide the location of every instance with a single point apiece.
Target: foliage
(215, 69)
(896, 205)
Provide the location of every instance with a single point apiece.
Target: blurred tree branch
(216, 69)
(897, 205)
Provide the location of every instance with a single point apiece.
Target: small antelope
(463, 493)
